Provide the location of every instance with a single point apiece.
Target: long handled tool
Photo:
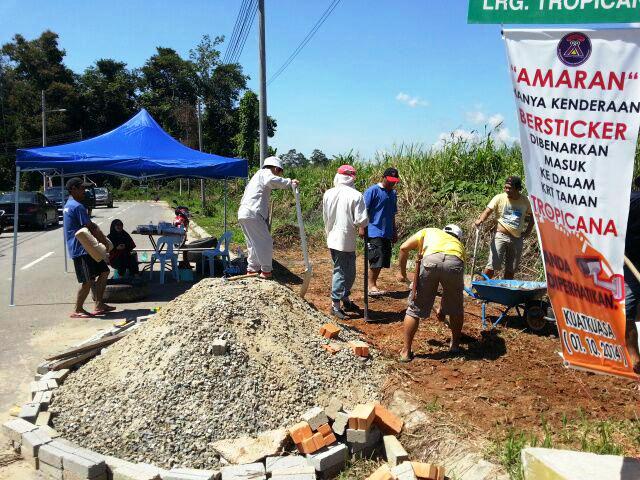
(366, 276)
(416, 273)
(475, 250)
(303, 242)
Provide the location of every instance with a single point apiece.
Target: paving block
(361, 417)
(330, 330)
(14, 429)
(389, 422)
(249, 471)
(190, 474)
(425, 471)
(403, 471)
(359, 348)
(50, 471)
(382, 473)
(300, 431)
(340, 423)
(219, 347)
(284, 463)
(329, 457)
(43, 419)
(29, 411)
(315, 417)
(32, 441)
(334, 407)
(394, 451)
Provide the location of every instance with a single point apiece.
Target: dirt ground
(506, 378)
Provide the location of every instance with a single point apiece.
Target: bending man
(442, 264)
(343, 212)
(253, 215)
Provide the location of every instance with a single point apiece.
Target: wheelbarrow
(523, 296)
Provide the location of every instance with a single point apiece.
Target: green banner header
(554, 11)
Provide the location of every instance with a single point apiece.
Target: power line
(245, 30)
(234, 34)
(306, 40)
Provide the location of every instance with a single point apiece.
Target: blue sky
(376, 73)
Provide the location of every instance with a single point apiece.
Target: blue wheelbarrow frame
(509, 293)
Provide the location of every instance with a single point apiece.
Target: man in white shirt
(253, 214)
(344, 212)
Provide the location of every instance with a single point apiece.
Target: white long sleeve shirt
(255, 201)
(343, 211)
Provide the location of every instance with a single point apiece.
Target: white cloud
(500, 136)
(476, 117)
(495, 120)
(503, 135)
(411, 101)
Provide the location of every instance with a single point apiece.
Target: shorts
(87, 268)
(439, 269)
(504, 249)
(631, 295)
(379, 252)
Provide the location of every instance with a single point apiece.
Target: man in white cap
(344, 212)
(253, 214)
(442, 264)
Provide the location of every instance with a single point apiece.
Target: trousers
(344, 274)
(259, 244)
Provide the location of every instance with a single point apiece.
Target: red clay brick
(382, 473)
(362, 416)
(330, 439)
(388, 422)
(332, 349)
(325, 429)
(318, 440)
(329, 330)
(440, 473)
(425, 471)
(359, 348)
(300, 431)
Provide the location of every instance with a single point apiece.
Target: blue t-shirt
(382, 206)
(75, 217)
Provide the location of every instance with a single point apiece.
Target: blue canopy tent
(138, 149)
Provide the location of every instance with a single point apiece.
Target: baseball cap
(76, 182)
(454, 230)
(347, 170)
(391, 174)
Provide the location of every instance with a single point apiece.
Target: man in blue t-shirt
(382, 205)
(87, 269)
(631, 283)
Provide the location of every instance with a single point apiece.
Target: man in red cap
(343, 212)
(382, 205)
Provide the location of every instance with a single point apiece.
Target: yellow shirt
(435, 240)
(511, 213)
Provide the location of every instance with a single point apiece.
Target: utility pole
(44, 120)
(264, 150)
(202, 201)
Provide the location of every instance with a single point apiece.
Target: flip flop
(81, 315)
(108, 308)
(406, 359)
(96, 313)
(377, 293)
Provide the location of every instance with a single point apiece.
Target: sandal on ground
(377, 293)
(107, 308)
(266, 275)
(81, 315)
(406, 359)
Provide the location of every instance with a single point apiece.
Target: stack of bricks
(408, 471)
(313, 432)
(331, 332)
(366, 424)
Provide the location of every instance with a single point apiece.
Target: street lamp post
(44, 126)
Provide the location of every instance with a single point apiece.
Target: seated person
(122, 257)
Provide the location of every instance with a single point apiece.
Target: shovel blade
(306, 280)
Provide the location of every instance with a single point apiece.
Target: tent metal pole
(64, 227)
(225, 205)
(15, 238)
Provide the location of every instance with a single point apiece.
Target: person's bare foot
(376, 292)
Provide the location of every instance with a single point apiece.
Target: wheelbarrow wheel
(534, 316)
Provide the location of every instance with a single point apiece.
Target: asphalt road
(39, 324)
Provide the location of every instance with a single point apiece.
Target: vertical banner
(578, 106)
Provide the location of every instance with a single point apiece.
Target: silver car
(104, 197)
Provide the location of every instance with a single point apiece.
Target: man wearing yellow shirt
(515, 221)
(442, 264)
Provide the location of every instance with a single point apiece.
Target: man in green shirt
(515, 222)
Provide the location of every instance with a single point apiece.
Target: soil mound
(161, 395)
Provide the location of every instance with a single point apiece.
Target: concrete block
(32, 441)
(394, 451)
(51, 455)
(49, 431)
(329, 457)
(43, 367)
(29, 412)
(14, 429)
(340, 423)
(370, 447)
(570, 465)
(83, 467)
(37, 377)
(315, 417)
(39, 386)
(113, 463)
(45, 399)
(58, 375)
(403, 471)
(219, 347)
(50, 471)
(284, 463)
(69, 475)
(300, 473)
(248, 471)
(52, 384)
(134, 472)
(334, 407)
(43, 419)
(357, 436)
(190, 474)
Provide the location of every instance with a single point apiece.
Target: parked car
(2, 221)
(104, 197)
(53, 195)
(34, 210)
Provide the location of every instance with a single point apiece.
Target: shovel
(366, 275)
(475, 250)
(303, 242)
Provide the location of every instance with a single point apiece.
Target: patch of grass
(433, 405)
(360, 468)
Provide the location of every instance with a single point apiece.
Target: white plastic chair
(222, 251)
(170, 242)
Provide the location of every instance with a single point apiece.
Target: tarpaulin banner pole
(577, 96)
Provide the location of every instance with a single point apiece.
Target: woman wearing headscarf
(122, 257)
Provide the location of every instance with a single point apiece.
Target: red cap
(347, 170)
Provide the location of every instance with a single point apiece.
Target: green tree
(318, 158)
(294, 159)
(247, 137)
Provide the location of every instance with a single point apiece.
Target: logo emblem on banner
(574, 49)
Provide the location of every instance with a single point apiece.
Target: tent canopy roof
(139, 148)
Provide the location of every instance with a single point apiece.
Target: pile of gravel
(160, 395)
